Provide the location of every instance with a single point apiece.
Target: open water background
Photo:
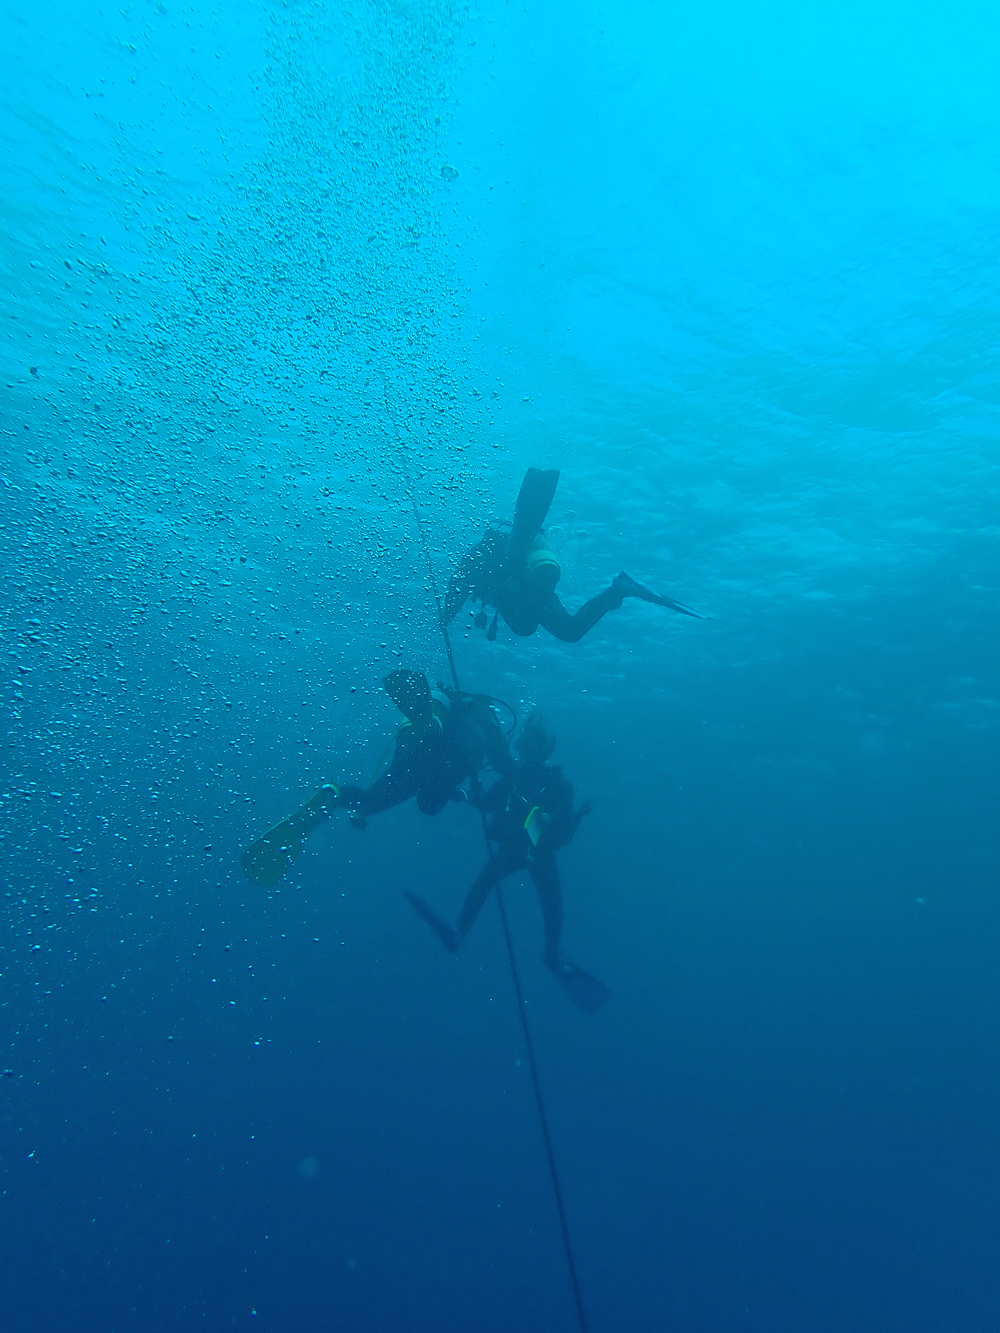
(735, 270)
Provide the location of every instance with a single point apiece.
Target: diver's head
(534, 744)
(540, 565)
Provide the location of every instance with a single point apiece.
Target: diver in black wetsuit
(528, 816)
(517, 574)
(446, 740)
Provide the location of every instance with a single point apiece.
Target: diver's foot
(447, 934)
(325, 801)
(330, 797)
(627, 586)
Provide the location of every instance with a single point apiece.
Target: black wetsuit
(433, 763)
(497, 572)
(525, 601)
(441, 749)
(507, 805)
(509, 571)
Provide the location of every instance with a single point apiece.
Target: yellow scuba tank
(541, 565)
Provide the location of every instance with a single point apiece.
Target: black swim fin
(629, 587)
(447, 934)
(586, 992)
(533, 501)
(411, 694)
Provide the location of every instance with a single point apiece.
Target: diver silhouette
(447, 738)
(516, 573)
(529, 815)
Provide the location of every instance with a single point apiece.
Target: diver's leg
(497, 868)
(571, 628)
(432, 800)
(545, 873)
(319, 807)
(445, 932)
(443, 767)
(439, 784)
(392, 788)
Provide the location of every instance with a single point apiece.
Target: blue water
(273, 273)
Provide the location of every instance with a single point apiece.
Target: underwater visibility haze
(294, 293)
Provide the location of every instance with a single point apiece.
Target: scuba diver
(528, 815)
(446, 739)
(516, 573)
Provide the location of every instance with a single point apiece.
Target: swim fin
(448, 935)
(586, 992)
(629, 587)
(266, 860)
(533, 500)
(411, 694)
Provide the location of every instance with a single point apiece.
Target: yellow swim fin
(266, 860)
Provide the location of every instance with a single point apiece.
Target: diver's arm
(557, 804)
(493, 798)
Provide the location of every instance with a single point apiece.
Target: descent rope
(515, 975)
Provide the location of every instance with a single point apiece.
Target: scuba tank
(541, 565)
(516, 555)
(541, 569)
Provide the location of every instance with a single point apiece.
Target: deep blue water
(273, 273)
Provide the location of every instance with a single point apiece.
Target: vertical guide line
(437, 600)
(542, 1116)
(515, 976)
(421, 533)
